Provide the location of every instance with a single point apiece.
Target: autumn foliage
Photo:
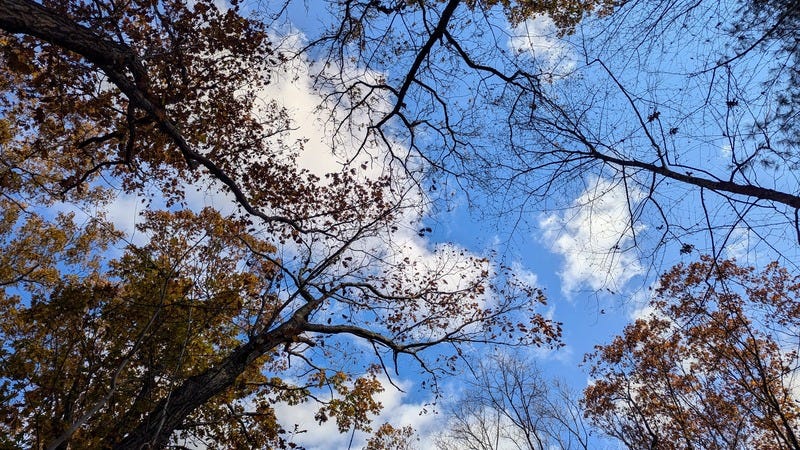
(714, 365)
(191, 328)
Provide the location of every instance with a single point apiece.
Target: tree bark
(31, 18)
(155, 430)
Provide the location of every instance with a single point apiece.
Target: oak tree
(713, 365)
(508, 403)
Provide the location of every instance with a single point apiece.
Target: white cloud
(399, 251)
(739, 244)
(451, 266)
(791, 379)
(640, 306)
(564, 355)
(400, 412)
(538, 37)
(330, 137)
(524, 275)
(333, 131)
(594, 237)
(726, 152)
(124, 212)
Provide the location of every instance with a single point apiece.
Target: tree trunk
(155, 430)
(31, 18)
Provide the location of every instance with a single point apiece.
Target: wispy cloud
(538, 38)
(595, 236)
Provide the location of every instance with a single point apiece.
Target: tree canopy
(510, 404)
(713, 365)
(304, 280)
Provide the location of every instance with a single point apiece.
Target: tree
(390, 438)
(194, 333)
(509, 404)
(713, 366)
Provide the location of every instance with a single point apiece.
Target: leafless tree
(509, 404)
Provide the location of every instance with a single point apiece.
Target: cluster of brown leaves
(714, 366)
(565, 14)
